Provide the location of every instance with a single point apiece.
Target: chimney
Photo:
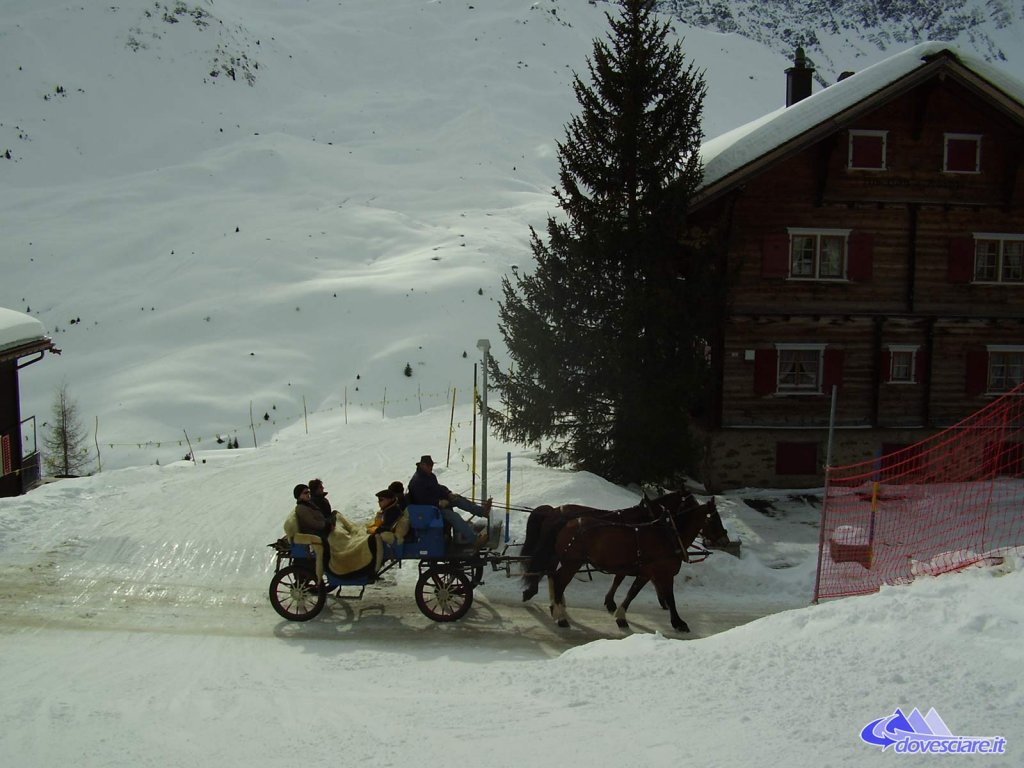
(798, 79)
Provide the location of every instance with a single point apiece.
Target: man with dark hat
(425, 489)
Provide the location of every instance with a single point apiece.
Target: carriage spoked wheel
(444, 594)
(297, 594)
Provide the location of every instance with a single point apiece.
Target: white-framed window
(867, 150)
(998, 258)
(800, 368)
(818, 254)
(961, 153)
(902, 363)
(1005, 367)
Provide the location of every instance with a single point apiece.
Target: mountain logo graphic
(916, 734)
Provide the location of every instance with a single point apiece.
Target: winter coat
(311, 519)
(424, 488)
(391, 519)
(323, 504)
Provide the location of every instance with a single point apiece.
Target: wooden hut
(23, 341)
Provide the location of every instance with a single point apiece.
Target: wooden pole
(305, 418)
(96, 439)
(384, 402)
(252, 425)
(451, 428)
(345, 403)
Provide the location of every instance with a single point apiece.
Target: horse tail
(534, 523)
(543, 559)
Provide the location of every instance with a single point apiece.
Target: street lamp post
(484, 346)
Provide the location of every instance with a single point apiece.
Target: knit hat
(298, 489)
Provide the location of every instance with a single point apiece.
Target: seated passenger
(399, 490)
(391, 520)
(307, 518)
(318, 495)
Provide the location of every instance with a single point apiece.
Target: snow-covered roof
(18, 329)
(731, 152)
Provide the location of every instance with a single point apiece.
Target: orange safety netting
(952, 500)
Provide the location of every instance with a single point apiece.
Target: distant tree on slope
(65, 451)
(608, 334)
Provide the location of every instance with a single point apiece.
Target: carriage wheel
(444, 595)
(297, 594)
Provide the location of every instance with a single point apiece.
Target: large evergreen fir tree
(608, 334)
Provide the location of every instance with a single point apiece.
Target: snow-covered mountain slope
(216, 206)
(851, 34)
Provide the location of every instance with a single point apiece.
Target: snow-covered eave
(732, 158)
(21, 335)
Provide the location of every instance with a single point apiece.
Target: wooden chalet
(872, 235)
(23, 341)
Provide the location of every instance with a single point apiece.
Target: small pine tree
(66, 454)
(408, 370)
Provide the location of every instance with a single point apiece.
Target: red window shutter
(766, 373)
(833, 370)
(920, 365)
(886, 364)
(977, 371)
(961, 260)
(6, 461)
(860, 265)
(775, 255)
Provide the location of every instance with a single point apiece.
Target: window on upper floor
(828, 255)
(818, 254)
(998, 258)
(962, 153)
(994, 369)
(1005, 367)
(867, 151)
(902, 364)
(797, 368)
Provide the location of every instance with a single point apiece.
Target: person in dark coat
(318, 495)
(424, 488)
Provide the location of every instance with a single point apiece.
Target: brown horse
(545, 521)
(713, 534)
(650, 550)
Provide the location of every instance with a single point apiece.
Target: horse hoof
(611, 606)
(683, 627)
(623, 624)
(563, 623)
(528, 593)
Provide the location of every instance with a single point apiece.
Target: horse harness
(692, 553)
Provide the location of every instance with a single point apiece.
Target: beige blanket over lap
(349, 548)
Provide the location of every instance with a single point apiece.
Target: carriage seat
(426, 532)
(309, 545)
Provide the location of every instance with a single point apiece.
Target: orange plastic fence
(950, 501)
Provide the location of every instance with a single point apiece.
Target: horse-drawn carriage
(649, 542)
(444, 591)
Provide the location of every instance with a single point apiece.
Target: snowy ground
(135, 630)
